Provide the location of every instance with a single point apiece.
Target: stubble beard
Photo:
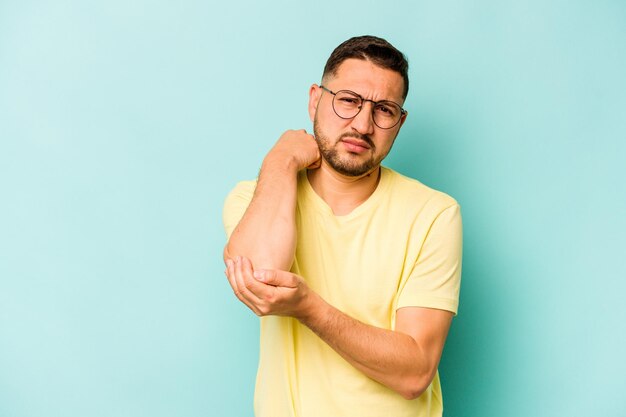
(351, 167)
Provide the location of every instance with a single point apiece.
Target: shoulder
(242, 189)
(236, 204)
(240, 195)
(410, 192)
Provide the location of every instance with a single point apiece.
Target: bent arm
(404, 360)
(266, 233)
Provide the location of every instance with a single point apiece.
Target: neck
(342, 193)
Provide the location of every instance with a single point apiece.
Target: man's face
(355, 147)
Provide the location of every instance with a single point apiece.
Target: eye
(386, 109)
(348, 100)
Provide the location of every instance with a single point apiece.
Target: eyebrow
(363, 98)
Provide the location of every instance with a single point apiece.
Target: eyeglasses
(347, 104)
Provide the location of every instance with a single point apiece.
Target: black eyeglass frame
(375, 103)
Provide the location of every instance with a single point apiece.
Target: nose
(364, 121)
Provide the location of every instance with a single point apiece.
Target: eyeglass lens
(347, 105)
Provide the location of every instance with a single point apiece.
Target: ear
(402, 120)
(315, 93)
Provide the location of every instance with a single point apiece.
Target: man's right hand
(297, 146)
(266, 233)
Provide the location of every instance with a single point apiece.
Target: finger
(276, 278)
(315, 164)
(260, 289)
(230, 274)
(238, 289)
(318, 157)
(242, 277)
(231, 277)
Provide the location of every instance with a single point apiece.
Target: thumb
(316, 164)
(275, 277)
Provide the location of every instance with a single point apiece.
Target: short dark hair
(370, 48)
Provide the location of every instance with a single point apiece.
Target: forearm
(404, 360)
(392, 358)
(266, 234)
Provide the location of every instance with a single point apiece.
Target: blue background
(123, 124)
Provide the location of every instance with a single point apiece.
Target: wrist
(280, 162)
(312, 309)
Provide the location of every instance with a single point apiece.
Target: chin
(353, 171)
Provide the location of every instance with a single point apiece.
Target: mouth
(355, 145)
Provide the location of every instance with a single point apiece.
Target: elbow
(260, 258)
(226, 255)
(412, 392)
(415, 385)
(232, 251)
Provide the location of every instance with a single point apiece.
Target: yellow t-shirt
(401, 247)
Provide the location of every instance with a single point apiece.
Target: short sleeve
(236, 204)
(435, 280)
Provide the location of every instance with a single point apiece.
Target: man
(353, 268)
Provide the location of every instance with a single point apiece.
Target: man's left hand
(269, 292)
